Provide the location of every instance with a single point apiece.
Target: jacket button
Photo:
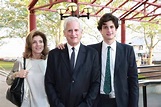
(73, 81)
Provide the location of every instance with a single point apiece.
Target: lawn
(6, 65)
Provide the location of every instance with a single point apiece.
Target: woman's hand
(21, 74)
(61, 46)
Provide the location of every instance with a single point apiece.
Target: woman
(36, 51)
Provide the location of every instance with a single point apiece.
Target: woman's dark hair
(28, 45)
(107, 17)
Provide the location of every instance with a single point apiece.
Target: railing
(3, 73)
(148, 75)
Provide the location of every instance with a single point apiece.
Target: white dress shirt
(76, 51)
(112, 65)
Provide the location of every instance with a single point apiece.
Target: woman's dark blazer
(125, 75)
(67, 88)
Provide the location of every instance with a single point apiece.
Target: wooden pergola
(134, 10)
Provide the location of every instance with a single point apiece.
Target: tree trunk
(150, 56)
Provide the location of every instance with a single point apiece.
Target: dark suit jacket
(72, 89)
(125, 75)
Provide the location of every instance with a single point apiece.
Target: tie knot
(73, 48)
(108, 47)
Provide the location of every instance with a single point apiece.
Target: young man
(124, 89)
(74, 84)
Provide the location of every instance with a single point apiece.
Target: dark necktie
(107, 83)
(72, 59)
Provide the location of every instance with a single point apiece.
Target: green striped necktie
(107, 82)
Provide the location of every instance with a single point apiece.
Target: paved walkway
(3, 88)
(153, 98)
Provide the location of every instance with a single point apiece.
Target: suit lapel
(65, 58)
(80, 58)
(119, 56)
(99, 49)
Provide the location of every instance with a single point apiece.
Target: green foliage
(15, 19)
(140, 76)
(151, 34)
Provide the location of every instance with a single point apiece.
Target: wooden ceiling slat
(133, 13)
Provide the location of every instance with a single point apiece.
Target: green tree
(15, 21)
(150, 33)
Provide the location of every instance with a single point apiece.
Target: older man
(73, 74)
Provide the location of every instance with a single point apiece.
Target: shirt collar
(113, 45)
(76, 47)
